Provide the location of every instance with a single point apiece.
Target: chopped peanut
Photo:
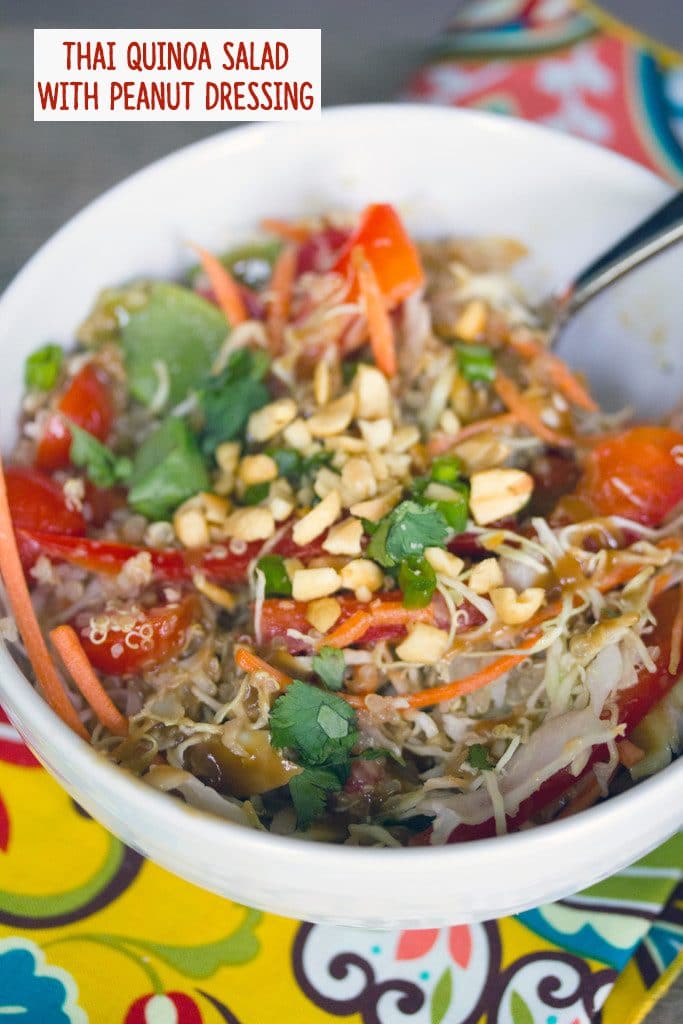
(326, 481)
(333, 418)
(345, 538)
(372, 392)
(297, 435)
(309, 584)
(292, 565)
(376, 433)
(444, 562)
(271, 419)
(358, 481)
(323, 613)
(424, 645)
(471, 323)
(249, 524)
(257, 469)
(227, 456)
(317, 520)
(322, 382)
(217, 594)
(486, 576)
(513, 608)
(378, 507)
(346, 443)
(496, 493)
(191, 527)
(362, 572)
(404, 438)
(482, 452)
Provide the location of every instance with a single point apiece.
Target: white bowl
(450, 172)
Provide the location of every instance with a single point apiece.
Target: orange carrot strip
(286, 229)
(509, 393)
(350, 631)
(676, 638)
(558, 371)
(20, 603)
(70, 650)
(380, 327)
(248, 661)
(281, 285)
(224, 287)
(472, 683)
(441, 443)
(585, 798)
(629, 753)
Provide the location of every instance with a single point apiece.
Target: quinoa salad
(325, 540)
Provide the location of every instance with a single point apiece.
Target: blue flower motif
(32, 992)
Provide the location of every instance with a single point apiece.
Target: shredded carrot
(286, 229)
(248, 661)
(629, 753)
(281, 286)
(350, 631)
(441, 443)
(29, 628)
(70, 650)
(676, 638)
(472, 683)
(585, 798)
(224, 287)
(558, 371)
(380, 327)
(509, 393)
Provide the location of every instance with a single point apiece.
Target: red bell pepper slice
(637, 474)
(161, 633)
(282, 614)
(218, 562)
(87, 401)
(389, 250)
(38, 502)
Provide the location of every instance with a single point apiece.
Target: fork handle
(660, 230)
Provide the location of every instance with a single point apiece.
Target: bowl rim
(22, 699)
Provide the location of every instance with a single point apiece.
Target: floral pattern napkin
(90, 933)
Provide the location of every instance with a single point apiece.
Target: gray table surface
(49, 171)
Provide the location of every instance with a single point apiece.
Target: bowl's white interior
(450, 172)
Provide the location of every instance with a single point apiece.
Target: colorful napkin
(566, 65)
(90, 932)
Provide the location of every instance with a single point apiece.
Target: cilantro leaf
(167, 469)
(406, 532)
(228, 399)
(330, 665)
(309, 792)
(319, 726)
(42, 367)
(178, 328)
(101, 465)
(478, 757)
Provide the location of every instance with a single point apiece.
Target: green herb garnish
(177, 331)
(255, 493)
(289, 462)
(406, 532)
(417, 580)
(228, 399)
(475, 362)
(330, 665)
(320, 729)
(42, 367)
(168, 469)
(278, 583)
(101, 465)
(478, 757)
